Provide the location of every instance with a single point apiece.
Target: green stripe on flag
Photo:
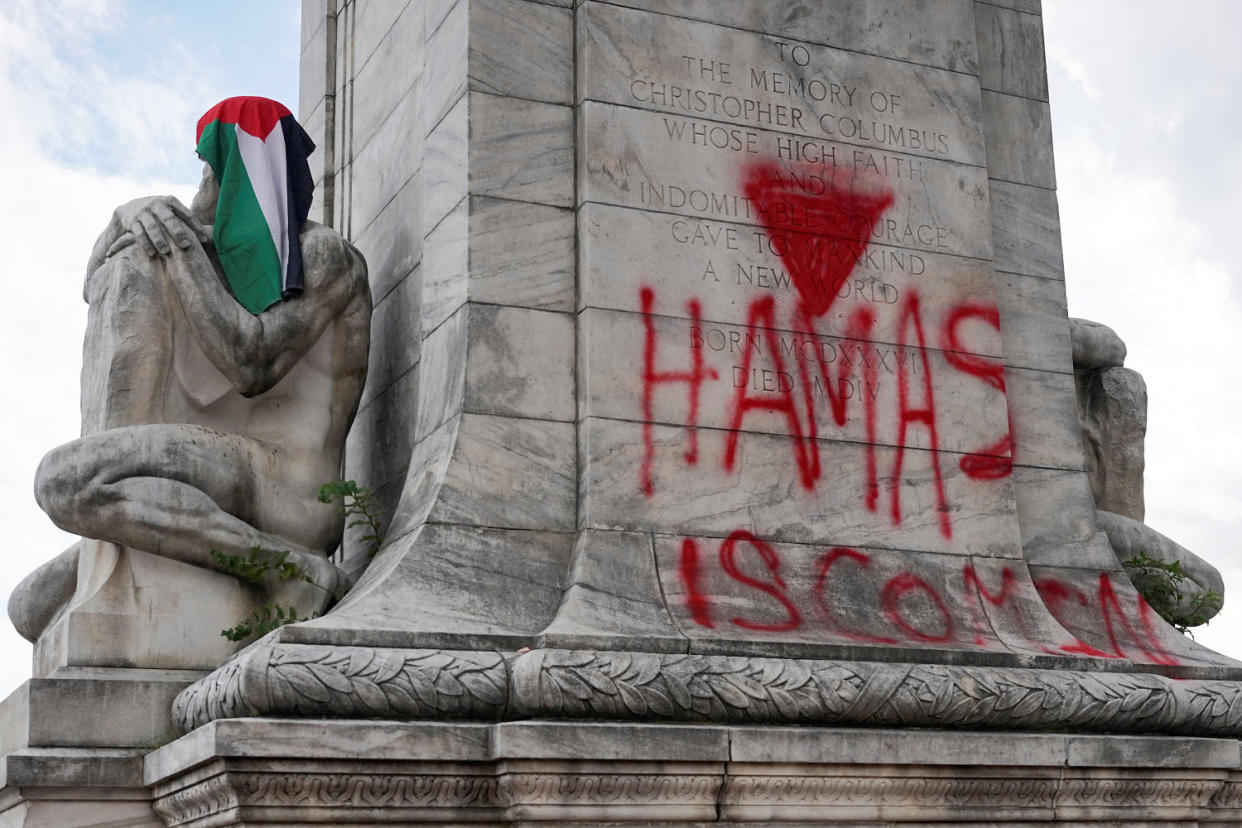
(243, 241)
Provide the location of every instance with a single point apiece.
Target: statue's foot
(1201, 591)
(319, 585)
(41, 596)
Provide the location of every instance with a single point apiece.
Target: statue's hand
(155, 224)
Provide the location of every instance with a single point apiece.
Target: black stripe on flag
(298, 147)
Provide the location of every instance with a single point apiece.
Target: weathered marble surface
(1018, 132)
(73, 746)
(1132, 539)
(1112, 413)
(1096, 346)
(764, 493)
(537, 61)
(930, 32)
(120, 612)
(744, 265)
(1011, 51)
(1034, 329)
(1044, 426)
(75, 788)
(613, 598)
(268, 771)
(1026, 230)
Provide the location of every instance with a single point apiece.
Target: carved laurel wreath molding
(347, 682)
(316, 680)
(733, 689)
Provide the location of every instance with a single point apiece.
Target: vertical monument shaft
(708, 328)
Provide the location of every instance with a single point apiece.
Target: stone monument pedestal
(281, 772)
(106, 671)
(71, 787)
(73, 746)
(132, 608)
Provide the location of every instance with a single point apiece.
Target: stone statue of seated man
(207, 425)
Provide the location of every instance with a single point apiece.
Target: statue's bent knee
(57, 487)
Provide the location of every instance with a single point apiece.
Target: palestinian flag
(258, 153)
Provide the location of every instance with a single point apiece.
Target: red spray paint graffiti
(823, 230)
(859, 328)
(902, 585)
(825, 566)
(776, 588)
(653, 378)
(762, 315)
(1066, 601)
(787, 600)
(696, 601)
(995, 461)
(925, 416)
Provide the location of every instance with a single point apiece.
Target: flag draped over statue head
(258, 153)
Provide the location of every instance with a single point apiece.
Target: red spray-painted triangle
(824, 223)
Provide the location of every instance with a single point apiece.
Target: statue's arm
(255, 352)
(155, 223)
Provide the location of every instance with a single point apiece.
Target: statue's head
(256, 160)
(205, 200)
(256, 193)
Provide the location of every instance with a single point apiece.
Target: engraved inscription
(696, 168)
(666, 64)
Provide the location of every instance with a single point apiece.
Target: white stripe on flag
(265, 166)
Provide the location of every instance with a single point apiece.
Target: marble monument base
(74, 787)
(267, 771)
(73, 746)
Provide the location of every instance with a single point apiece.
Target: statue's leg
(37, 600)
(125, 365)
(128, 347)
(179, 491)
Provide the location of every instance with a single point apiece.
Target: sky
(101, 97)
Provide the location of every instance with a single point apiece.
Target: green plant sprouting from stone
(360, 508)
(262, 621)
(1162, 586)
(256, 568)
(358, 503)
(258, 565)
